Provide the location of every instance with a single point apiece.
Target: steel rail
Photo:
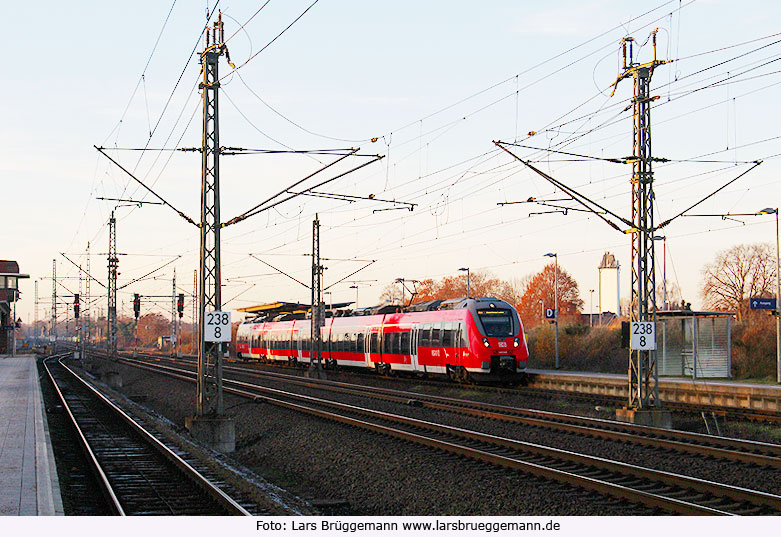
(716, 490)
(744, 413)
(732, 448)
(225, 501)
(746, 451)
(97, 468)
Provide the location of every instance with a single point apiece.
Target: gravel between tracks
(350, 471)
(733, 473)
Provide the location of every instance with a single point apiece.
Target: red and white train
(475, 338)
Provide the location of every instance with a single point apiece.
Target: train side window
(374, 343)
(404, 342)
(359, 338)
(436, 336)
(448, 335)
(425, 335)
(354, 342)
(395, 344)
(387, 341)
(463, 339)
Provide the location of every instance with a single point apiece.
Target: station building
(9, 294)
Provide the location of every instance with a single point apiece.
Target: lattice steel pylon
(209, 396)
(174, 317)
(315, 354)
(87, 309)
(113, 265)
(53, 330)
(643, 374)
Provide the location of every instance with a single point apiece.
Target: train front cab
(497, 346)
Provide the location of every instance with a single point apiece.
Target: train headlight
(485, 343)
(516, 342)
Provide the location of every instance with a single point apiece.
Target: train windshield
(496, 323)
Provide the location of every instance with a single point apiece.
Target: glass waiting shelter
(696, 344)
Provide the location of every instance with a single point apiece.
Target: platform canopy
(276, 308)
(283, 308)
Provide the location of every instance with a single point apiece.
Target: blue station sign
(762, 303)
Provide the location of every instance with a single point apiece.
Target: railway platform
(28, 476)
(703, 391)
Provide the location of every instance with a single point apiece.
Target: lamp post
(466, 269)
(356, 295)
(556, 302)
(591, 309)
(778, 296)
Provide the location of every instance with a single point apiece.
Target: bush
(581, 348)
(754, 347)
(598, 349)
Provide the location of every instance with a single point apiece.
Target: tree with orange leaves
(539, 293)
(151, 327)
(480, 284)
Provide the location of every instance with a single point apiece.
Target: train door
(413, 351)
(305, 344)
(372, 346)
(458, 342)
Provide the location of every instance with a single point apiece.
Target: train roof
(288, 311)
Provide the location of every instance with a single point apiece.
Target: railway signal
(76, 305)
(136, 305)
(180, 305)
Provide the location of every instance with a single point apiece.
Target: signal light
(136, 304)
(76, 304)
(180, 305)
(625, 335)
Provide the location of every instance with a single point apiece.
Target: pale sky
(435, 82)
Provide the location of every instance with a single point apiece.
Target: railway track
(137, 473)
(662, 491)
(600, 399)
(732, 449)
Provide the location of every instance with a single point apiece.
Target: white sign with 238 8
(642, 336)
(217, 326)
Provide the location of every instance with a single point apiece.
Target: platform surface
(28, 476)
(662, 380)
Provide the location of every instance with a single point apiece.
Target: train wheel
(464, 376)
(452, 373)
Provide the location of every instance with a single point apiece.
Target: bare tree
(737, 274)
